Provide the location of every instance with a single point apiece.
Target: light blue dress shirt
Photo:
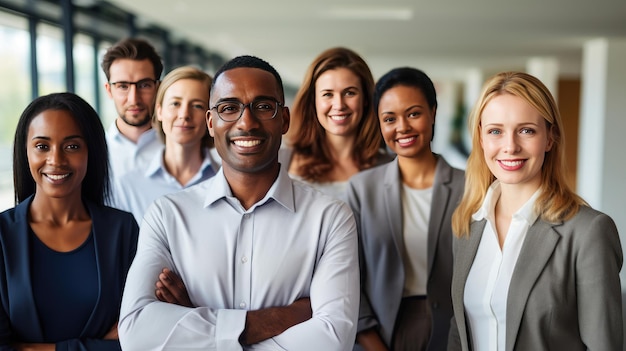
(295, 242)
(125, 155)
(134, 191)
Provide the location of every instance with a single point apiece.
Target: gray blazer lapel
(441, 197)
(538, 246)
(392, 200)
(465, 252)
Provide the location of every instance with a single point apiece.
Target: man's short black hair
(248, 61)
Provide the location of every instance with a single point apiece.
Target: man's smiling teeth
(57, 176)
(247, 143)
(511, 163)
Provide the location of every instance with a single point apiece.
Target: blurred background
(576, 47)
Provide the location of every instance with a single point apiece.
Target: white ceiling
(446, 38)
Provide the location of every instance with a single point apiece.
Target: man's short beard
(141, 123)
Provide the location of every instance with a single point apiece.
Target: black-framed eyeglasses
(147, 84)
(262, 109)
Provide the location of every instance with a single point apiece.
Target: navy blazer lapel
(19, 265)
(392, 200)
(537, 249)
(100, 246)
(439, 203)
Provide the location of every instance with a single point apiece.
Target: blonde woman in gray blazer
(535, 267)
(405, 249)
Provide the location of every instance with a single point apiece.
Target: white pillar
(474, 80)
(446, 95)
(447, 99)
(547, 70)
(601, 143)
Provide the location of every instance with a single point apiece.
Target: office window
(107, 108)
(50, 59)
(15, 94)
(84, 69)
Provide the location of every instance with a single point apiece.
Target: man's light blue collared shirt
(295, 242)
(125, 155)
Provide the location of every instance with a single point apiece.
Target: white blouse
(416, 204)
(487, 285)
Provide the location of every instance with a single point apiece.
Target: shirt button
(244, 259)
(246, 216)
(242, 305)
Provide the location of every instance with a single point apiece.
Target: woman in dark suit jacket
(535, 267)
(405, 248)
(63, 255)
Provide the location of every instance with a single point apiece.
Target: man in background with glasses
(249, 259)
(133, 69)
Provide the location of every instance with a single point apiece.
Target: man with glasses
(265, 262)
(132, 68)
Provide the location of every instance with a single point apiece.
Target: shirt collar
(157, 164)
(487, 209)
(114, 133)
(489, 203)
(281, 191)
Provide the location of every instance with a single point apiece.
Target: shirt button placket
(244, 270)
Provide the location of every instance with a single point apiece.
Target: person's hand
(299, 311)
(269, 322)
(170, 288)
(34, 347)
(112, 334)
(370, 340)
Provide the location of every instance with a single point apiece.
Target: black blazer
(115, 239)
(376, 200)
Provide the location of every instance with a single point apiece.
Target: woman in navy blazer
(405, 249)
(63, 254)
(535, 267)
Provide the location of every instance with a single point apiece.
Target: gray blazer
(565, 290)
(375, 198)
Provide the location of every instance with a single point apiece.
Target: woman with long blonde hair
(535, 267)
(188, 156)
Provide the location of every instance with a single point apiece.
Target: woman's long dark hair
(95, 186)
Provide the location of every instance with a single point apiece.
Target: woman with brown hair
(334, 130)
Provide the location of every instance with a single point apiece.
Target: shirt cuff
(230, 325)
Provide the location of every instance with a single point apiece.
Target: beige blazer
(565, 291)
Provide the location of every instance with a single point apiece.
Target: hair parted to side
(307, 136)
(180, 73)
(248, 61)
(95, 186)
(132, 49)
(557, 201)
